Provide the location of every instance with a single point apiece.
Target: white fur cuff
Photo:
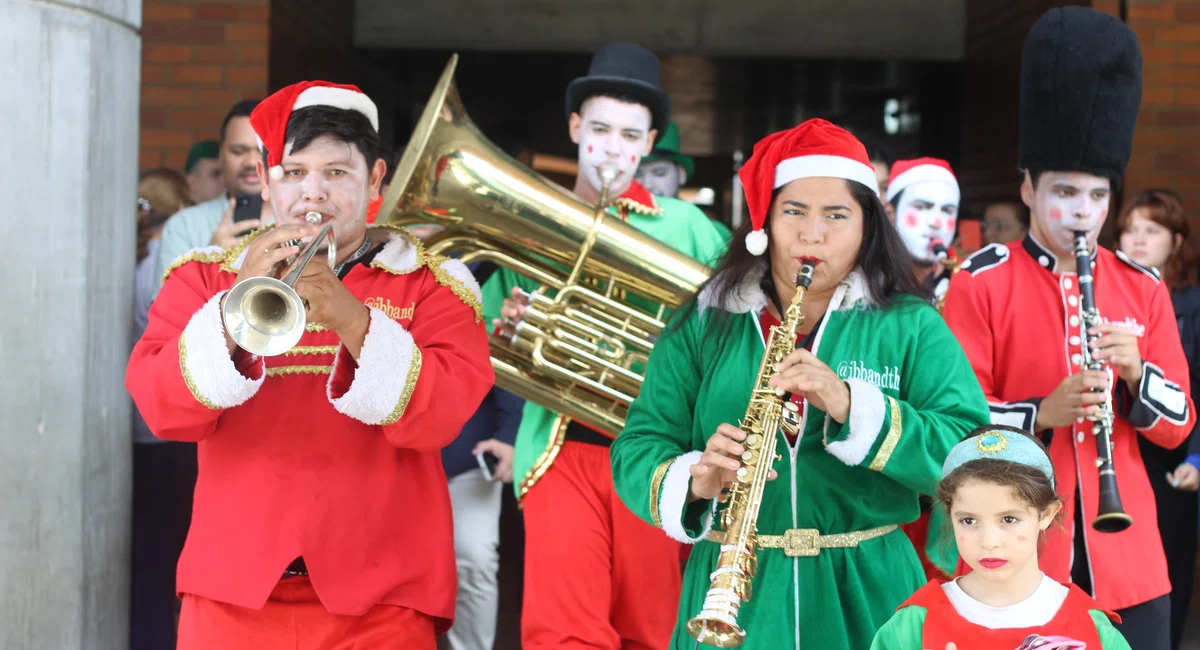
(867, 408)
(207, 366)
(674, 500)
(387, 372)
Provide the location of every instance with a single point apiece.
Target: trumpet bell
(264, 316)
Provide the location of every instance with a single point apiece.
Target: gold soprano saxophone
(717, 622)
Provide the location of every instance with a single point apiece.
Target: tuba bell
(605, 288)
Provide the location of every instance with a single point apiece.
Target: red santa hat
(270, 118)
(919, 170)
(815, 148)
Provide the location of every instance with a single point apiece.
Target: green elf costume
(595, 575)
(832, 563)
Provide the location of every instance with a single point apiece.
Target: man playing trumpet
(321, 515)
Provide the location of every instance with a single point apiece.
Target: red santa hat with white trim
(918, 170)
(815, 148)
(270, 118)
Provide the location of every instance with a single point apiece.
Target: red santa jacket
(1017, 318)
(310, 453)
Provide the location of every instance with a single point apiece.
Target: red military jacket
(1017, 319)
(309, 453)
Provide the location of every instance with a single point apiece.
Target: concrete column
(68, 169)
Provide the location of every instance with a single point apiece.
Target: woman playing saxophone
(874, 389)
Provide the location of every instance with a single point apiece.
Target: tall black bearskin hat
(1081, 86)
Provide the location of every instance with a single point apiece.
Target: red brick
(223, 13)
(1153, 138)
(166, 96)
(1158, 55)
(1187, 13)
(160, 52)
(246, 76)
(255, 53)
(246, 33)
(1158, 96)
(193, 118)
(166, 139)
(197, 74)
(151, 117)
(1179, 34)
(222, 98)
(161, 12)
(1149, 12)
(1189, 55)
(1177, 160)
(1187, 97)
(1178, 117)
(149, 158)
(1177, 76)
(154, 74)
(195, 33)
(1147, 34)
(154, 32)
(1110, 7)
(214, 53)
(177, 158)
(256, 14)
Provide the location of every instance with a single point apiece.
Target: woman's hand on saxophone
(802, 373)
(719, 464)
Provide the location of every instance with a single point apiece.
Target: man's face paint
(660, 177)
(927, 214)
(613, 132)
(1066, 202)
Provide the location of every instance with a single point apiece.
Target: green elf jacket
(913, 396)
(678, 224)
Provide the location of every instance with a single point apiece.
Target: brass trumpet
(264, 315)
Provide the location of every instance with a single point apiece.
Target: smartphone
(248, 206)
(487, 462)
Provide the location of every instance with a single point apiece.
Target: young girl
(998, 488)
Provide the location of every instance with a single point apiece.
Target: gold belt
(808, 542)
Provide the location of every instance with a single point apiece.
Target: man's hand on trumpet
(332, 306)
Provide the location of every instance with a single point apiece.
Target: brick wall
(199, 57)
(1168, 130)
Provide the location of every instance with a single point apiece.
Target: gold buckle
(801, 542)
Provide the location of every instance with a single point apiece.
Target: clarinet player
(1017, 310)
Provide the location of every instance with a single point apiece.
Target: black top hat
(1081, 86)
(628, 70)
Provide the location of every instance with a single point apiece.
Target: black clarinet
(1111, 517)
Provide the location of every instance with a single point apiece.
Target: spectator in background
(1154, 233)
(211, 223)
(1004, 222)
(882, 161)
(666, 170)
(203, 169)
(163, 472)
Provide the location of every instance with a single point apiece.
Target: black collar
(1044, 256)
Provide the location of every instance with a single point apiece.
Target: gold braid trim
(313, 327)
(660, 473)
(434, 263)
(892, 439)
(312, 349)
(410, 384)
(412, 239)
(211, 257)
(558, 433)
(187, 376)
(280, 371)
(634, 206)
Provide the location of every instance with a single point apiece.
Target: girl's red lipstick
(992, 563)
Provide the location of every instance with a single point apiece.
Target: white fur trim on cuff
(387, 372)
(208, 369)
(867, 408)
(820, 166)
(675, 489)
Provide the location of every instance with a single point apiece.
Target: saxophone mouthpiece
(807, 266)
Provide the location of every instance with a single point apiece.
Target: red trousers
(294, 618)
(596, 576)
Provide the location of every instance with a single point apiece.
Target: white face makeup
(1066, 202)
(927, 213)
(613, 132)
(330, 177)
(660, 177)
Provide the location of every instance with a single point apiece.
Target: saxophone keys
(791, 406)
(752, 440)
(743, 474)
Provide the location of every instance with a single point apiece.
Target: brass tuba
(606, 288)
